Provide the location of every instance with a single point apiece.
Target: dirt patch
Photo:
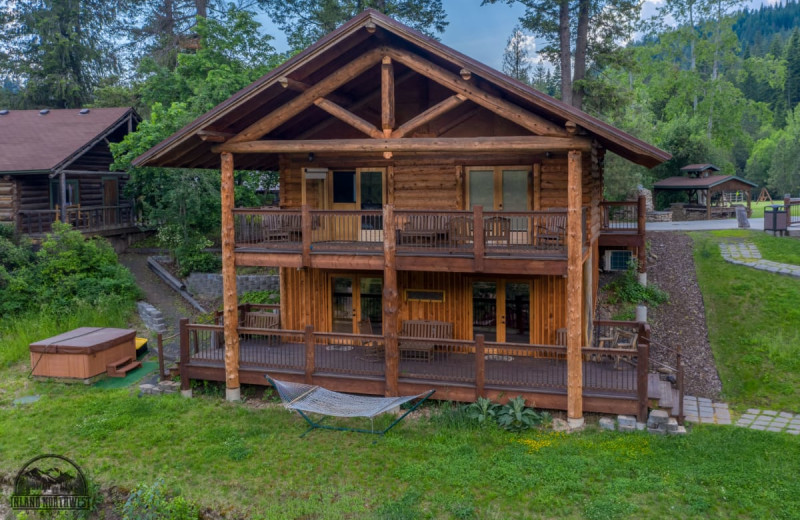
(682, 320)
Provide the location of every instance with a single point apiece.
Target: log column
(230, 312)
(390, 301)
(574, 291)
(641, 230)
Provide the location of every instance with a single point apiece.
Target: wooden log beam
(288, 110)
(293, 84)
(412, 144)
(641, 226)
(344, 115)
(391, 301)
(387, 95)
(429, 115)
(212, 136)
(537, 125)
(229, 300)
(574, 293)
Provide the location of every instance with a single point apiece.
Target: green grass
(250, 462)
(758, 207)
(753, 319)
(17, 332)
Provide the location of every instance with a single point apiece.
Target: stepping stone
(758, 427)
(748, 416)
(770, 412)
(785, 415)
(754, 411)
(793, 432)
(774, 429)
(723, 421)
(742, 423)
(721, 405)
(26, 399)
(780, 422)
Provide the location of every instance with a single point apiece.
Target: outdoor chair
(497, 231)
(550, 233)
(373, 350)
(460, 231)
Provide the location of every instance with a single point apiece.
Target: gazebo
(716, 195)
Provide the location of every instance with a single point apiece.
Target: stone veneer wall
(209, 285)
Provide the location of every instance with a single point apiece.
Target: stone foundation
(659, 216)
(209, 285)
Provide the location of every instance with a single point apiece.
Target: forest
(706, 80)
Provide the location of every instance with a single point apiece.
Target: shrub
(262, 297)
(482, 411)
(153, 503)
(514, 416)
(627, 289)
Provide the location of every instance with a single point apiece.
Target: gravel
(682, 320)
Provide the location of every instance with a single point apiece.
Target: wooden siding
(35, 190)
(8, 199)
(306, 299)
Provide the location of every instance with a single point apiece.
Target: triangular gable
(305, 88)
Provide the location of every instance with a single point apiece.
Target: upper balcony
(623, 223)
(458, 241)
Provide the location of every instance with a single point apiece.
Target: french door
(501, 310)
(356, 298)
(505, 188)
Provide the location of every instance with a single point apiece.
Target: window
(344, 187)
(617, 260)
(73, 193)
(421, 295)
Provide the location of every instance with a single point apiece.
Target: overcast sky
(479, 32)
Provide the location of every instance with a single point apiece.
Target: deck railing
(792, 207)
(87, 218)
(622, 216)
(523, 233)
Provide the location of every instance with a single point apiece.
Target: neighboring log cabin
(439, 226)
(55, 165)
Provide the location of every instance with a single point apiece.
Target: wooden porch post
(574, 292)
(642, 247)
(390, 301)
(230, 311)
(708, 204)
(62, 195)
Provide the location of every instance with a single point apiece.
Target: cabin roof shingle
(32, 141)
(702, 183)
(185, 149)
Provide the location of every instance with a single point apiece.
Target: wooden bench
(262, 320)
(425, 329)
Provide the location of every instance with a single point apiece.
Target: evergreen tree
(60, 49)
(305, 21)
(793, 70)
(516, 60)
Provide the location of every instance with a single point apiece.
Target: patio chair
(373, 350)
(550, 233)
(497, 231)
(625, 340)
(460, 231)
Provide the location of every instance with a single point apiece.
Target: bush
(627, 289)
(514, 416)
(68, 269)
(261, 297)
(153, 503)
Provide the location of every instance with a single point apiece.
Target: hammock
(315, 399)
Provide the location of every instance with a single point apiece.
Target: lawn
(758, 207)
(250, 462)
(753, 319)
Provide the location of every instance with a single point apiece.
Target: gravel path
(681, 321)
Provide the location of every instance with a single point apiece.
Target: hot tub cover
(83, 340)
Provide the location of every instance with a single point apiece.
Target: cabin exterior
(439, 226)
(710, 194)
(55, 165)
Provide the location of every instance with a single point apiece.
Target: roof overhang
(365, 32)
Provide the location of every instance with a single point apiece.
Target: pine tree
(516, 60)
(793, 70)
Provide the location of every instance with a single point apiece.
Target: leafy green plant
(627, 289)
(514, 416)
(482, 411)
(152, 502)
(262, 297)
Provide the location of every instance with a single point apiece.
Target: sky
(481, 32)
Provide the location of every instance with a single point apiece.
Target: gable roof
(702, 183)
(34, 142)
(699, 168)
(369, 30)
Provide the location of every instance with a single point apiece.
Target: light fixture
(310, 156)
(316, 173)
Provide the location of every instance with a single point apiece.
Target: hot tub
(82, 353)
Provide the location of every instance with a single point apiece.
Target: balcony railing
(92, 218)
(523, 233)
(624, 216)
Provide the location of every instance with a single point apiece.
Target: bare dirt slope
(682, 320)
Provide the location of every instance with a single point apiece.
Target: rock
(560, 425)
(627, 421)
(657, 431)
(657, 419)
(680, 430)
(607, 423)
(672, 425)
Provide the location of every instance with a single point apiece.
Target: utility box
(775, 218)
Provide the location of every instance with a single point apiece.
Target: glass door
(501, 310)
(484, 310)
(518, 312)
(344, 315)
(371, 304)
(357, 299)
(499, 189)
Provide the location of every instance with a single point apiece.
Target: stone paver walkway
(770, 421)
(703, 410)
(746, 253)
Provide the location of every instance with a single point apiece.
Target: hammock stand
(306, 399)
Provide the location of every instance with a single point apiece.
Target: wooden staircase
(121, 367)
(662, 393)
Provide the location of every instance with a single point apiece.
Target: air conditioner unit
(617, 260)
(316, 173)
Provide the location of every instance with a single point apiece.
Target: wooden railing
(524, 233)
(615, 372)
(91, 218)
(792, 207)
(625, 216)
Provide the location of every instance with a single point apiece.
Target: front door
(110, 200)
(356, 303)
(501, 310)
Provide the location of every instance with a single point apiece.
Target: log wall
(306, 299)
(8, 200)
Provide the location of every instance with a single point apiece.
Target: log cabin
(55, 165)
(439, 226)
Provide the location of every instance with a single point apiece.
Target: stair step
(653, 386)
(122, 366)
